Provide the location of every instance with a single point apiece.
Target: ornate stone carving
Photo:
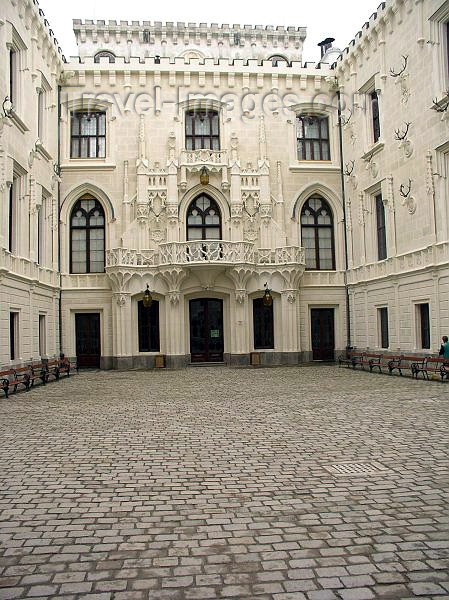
(171, 143)
(241, 296)
(120, 298)
(142, 213)
(174, 296)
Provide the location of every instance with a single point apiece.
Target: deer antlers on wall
(401, 135)
(404, 66)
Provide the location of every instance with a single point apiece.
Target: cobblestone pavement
(218, 483)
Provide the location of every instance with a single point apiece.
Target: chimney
(325, 45)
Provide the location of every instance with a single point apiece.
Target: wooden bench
(349, 358)
(392, 362)
(58, 367)
(372, 361)
(432, 365)
(12, 378)
(38, 371)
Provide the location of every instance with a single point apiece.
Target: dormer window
(277, 60)
(104, 54)
(202, 130)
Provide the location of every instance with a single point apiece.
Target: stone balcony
(205, 252)
(27, 269)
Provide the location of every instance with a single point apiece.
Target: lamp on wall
(7, 108)
(147, 297)
(204, 176)
(267, 298)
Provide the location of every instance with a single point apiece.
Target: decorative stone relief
(241, 296)
(430, 184)
(120, 298)
(390, 194)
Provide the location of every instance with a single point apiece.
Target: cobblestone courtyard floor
(219, 483)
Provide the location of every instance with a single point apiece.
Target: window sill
(375, 149)
(314, 166)
(18, 122)
(88, 164)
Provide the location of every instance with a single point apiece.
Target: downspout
(343, 196)
(59, 219)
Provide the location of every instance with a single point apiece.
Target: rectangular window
(42, 336)
(375, 115)
(40, 115)
(13, 75)
(383, 326)
(12, 215)
(263, 325)
(148, 326)
(423, 319)
(40, 233)
(202, 130)
(381, 229)
(313, 138)
(14, 335)
(88, 135)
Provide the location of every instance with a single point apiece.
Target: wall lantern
(7, 108)
(147, 298)
(204, 176)
(267, 298)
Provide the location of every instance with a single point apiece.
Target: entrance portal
(206, 330)
(88, 346)
(323, 337)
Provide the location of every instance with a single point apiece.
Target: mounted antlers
(405, 193)
(345, 120)
(349, 168)
(442, 105)
(404, 66)
(401, 135)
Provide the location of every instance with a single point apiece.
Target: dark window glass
(12, 75)
(12, 218)
(87, 236)
(375, 115)
(383, 318)
(313, 138)
(424, 317)
(317, 234)
(202, 130)
(381, 229)
(148, 324)
(104, 54)
(263, 324)
(40, 115)
(13, 331)
(88, 135)
(203, 219)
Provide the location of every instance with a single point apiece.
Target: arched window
(317, 234)
(277, 59)
(203, 219)
(104, 54)
(87, 236)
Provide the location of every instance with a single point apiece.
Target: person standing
(444, 350)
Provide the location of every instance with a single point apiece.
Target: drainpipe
(59, 220)
(343, 196)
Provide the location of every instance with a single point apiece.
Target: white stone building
(205, 163)
(30, 67)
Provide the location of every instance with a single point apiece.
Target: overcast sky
(322, 18)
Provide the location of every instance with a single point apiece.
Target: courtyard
(295, 483)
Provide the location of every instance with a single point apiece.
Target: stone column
(290, 323)
(122, 329)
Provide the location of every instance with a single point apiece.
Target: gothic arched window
(317, 234)
(203, 219)
(87, 236)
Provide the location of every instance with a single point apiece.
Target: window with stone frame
(375, 116)
(383, 327)
(202, 129)
(148, 326)
(88, 134)
(381, 230)
(87, 236)
(317, 234)
(104, 54)
(312, 137)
